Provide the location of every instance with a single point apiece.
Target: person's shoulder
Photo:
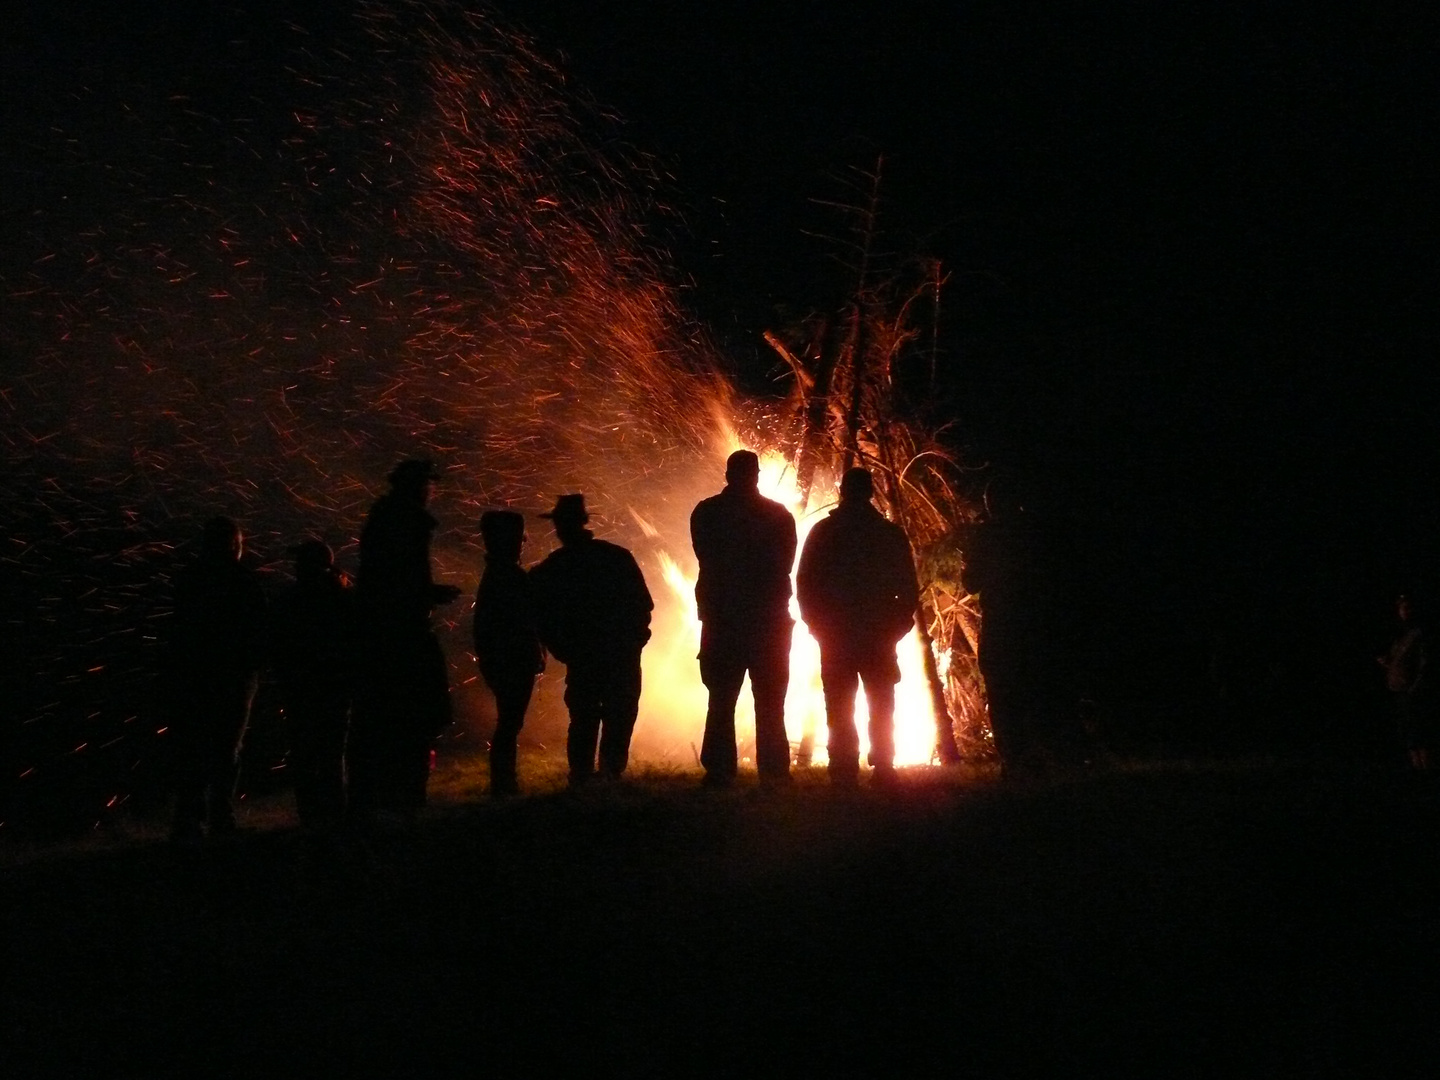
(708, 505)
(385, 504)
(776, 509)
(822, 529)
(608, 549)
(548, 564)
(894, 528)
(513, 576)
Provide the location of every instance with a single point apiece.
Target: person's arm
(807, 580)
(644, 603)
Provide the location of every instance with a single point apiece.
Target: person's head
(504, 534)
(856, 486)
(313, 559)
(569, 517)
(412, 478)
(742, 470)
(221, 540)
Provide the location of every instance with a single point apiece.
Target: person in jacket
(857, 592)
(404, 693)
(219, 648)
(1007, 562)
(593, 611)
(313, 647)
(745, 546)
(507, 642)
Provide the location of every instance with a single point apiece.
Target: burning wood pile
(861, 378)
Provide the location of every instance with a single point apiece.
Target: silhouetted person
(219, 648)
(507, 641)
(403, 701)
(594, 617)
(745, 544)
(314, 644)
(856, 585)
(1007, 565)
(1411, 682)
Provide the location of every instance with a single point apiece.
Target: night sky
(1193, 248)
(1192, 244)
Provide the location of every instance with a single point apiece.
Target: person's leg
(512, 699)
(583, 690)
(189, 769)
(880, 672)
(333, 724)
(372, 746)
(723, 678)
(317, 721)
(231, 717)
(621, 707)
(880, 702)
(840, 682)
(1006, 704)
(362, 761)
(770, 680)
(424, 714)
(302, 726)
(412, 773)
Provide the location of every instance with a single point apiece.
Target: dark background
(1191, 318)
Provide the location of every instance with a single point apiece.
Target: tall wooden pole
(857, 345)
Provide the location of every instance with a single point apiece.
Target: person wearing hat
(404, 693)
(219, 648)
(857, 592)
(593, 610)
(507, 643)
(313, 649)
(745, 545)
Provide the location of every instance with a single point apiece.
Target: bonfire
(417, 239)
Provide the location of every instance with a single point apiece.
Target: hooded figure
(507, 643)
(745, 545)
(593, 610)
(313, 644)
(857, 591)
(219, 649)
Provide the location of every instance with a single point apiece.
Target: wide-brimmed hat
(413, 471)
(569, 508)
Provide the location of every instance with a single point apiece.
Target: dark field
(1169, 921)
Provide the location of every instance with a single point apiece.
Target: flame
(675, 698)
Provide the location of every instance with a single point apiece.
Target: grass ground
(1164, 921)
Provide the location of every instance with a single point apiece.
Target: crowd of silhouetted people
(363, 681)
